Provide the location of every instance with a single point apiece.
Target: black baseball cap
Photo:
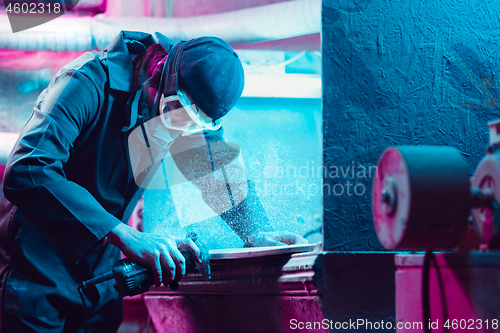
(209, 70)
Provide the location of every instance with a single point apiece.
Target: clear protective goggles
(178, 112)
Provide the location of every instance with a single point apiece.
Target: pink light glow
(33, 60)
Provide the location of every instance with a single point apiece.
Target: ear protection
(171, 81)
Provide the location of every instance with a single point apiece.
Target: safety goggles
(178, 112)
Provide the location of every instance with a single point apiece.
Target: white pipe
(66, 33)
(85, 4)
(7, 141)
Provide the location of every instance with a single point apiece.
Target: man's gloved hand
(161, 252)
(275, 238)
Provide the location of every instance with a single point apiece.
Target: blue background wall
(401, 72)
(280, 142)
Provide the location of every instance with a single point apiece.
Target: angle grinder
(133, 278)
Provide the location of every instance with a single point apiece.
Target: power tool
(133, 278)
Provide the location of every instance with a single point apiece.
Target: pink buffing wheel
(486, 186)
(421, 197)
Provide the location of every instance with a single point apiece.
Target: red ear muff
(159, 65)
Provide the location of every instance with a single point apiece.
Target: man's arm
(35, 180)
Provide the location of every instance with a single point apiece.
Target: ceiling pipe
(257, 24)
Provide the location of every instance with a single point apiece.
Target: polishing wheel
(421, 197)
(486, 196)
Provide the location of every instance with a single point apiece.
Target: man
(89, 149)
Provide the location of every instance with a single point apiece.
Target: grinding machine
(424, 199)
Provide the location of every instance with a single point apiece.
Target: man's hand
(276, 238)
(159, 251)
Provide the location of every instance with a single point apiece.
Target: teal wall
(401, 72)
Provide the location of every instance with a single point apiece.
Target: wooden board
(252, 252)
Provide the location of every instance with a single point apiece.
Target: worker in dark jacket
(84, 159)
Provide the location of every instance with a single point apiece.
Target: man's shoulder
(91, 65)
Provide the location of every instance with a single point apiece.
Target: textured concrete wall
(400, 72)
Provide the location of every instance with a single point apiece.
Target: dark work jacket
(68, 182)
